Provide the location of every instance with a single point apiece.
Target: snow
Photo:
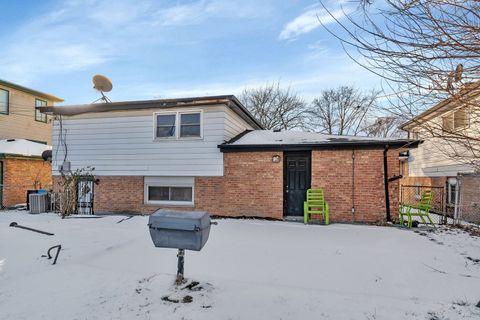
(261, 137)
(249, 269)
(22, 147)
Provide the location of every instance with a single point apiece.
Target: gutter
(225, 147)
(385, 183)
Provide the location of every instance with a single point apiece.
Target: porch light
(276, 158)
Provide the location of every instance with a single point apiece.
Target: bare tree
(276, 108)
(342, 111)
(428, 53)
(386, 126)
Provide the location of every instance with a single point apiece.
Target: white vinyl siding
(122, 144)
(234, 125)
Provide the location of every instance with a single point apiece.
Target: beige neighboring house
(18, 117)
(440, 161)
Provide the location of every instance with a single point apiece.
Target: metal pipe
(16, 225)
(385, 182)
(180, 265)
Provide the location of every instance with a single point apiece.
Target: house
(209, 153)
(444, 155)
(22, 168)
(18, 117)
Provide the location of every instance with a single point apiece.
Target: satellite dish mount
(102, 84)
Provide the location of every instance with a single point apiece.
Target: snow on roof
(22, 147)
(267, 137)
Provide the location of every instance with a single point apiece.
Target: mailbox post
(182, 230)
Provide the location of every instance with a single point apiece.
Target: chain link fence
(440, 212)
(467, 195)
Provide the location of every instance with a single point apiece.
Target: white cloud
(79, 34)
(311, 19)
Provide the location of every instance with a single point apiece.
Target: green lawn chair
(315, 205)
(417, 210)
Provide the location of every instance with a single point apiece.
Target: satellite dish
(102, 84)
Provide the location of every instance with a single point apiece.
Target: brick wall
(253, 186)
(20, 175)
(357, 183)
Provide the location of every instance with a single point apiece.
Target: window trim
(178, 114)
(8, 102)
(170, 182)
(35, 111)
(155, 115)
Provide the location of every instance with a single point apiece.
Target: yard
(249, 269)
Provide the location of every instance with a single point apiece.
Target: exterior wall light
(276, 158)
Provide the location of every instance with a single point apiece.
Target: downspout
(385, 182)
(353, 185)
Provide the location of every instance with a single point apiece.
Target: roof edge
(225, 147)
(31, 91)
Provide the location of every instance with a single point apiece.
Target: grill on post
(182, 230)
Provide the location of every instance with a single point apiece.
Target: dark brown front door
(297, 176)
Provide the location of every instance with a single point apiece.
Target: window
(166, 124)
(460, 119)
(178, 125)
(4, 101)
(190, 125)
(169, 190)
(447, 123)
(455, 120)
(41, 117)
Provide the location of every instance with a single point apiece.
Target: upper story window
(4, 101)
(166, 125)
(190, 124)
(178, 125)
(41, 117)
(455, 120)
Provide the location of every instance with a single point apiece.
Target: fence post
(457, 202)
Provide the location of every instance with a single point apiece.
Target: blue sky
(162, 49)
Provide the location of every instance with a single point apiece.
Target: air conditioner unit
(38, 203)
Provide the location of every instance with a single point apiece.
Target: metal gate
(85, 196)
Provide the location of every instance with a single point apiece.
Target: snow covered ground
(249, 269)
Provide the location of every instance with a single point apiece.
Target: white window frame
(169, 182)
(177, 125)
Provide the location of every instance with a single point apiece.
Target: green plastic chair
(420, 210)
(315, 205)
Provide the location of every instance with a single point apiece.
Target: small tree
(69, 185)
(276, 108)
(341, 111)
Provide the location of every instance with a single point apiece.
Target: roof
(297, 140)
(470, 91)
(31, 91)
(229, 100)
(22, 147)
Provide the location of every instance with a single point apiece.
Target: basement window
(169, 190)
(4, 101)
(40, 117)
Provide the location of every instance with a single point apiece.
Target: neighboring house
(440, 159)
(18, 117)
(209, 153)
(22, 168)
